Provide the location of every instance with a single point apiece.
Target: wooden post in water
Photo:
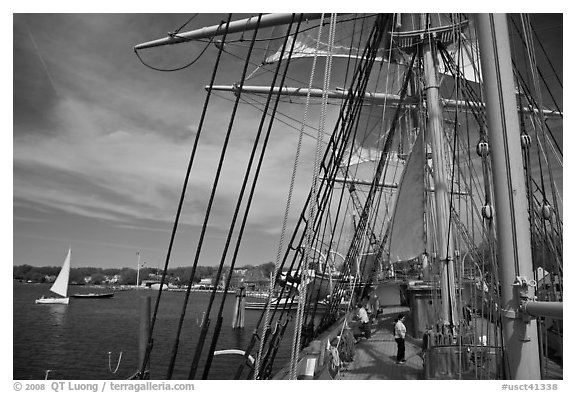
(144, 330)
(239, 307)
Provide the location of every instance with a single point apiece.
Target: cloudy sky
(101, 144)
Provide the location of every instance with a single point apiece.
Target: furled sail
(307, 46)
(407, 238)
(60, 286)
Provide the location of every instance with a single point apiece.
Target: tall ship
(431, 149)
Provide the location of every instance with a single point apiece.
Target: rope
(175, 226)
(117, 364)
(361, 78)
(522, 35)
(237, 209)
(360, 230)
(323, 110)
(536, 81)
(340, 152)
(216, 181)
(449, 235)
(336, 144)
(277, 263)
(546, 55)
(541, 144)
(175, 32)
(303, 275)
(177, 68)
(275, 336)
(532, 104)
(335, 157)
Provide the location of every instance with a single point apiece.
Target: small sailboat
(60, 286)
(91, 295)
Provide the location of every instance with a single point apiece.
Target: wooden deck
(376, 358)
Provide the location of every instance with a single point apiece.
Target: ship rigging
(439, 155)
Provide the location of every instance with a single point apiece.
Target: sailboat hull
(53, 300)
(60, 286)
(93, 295)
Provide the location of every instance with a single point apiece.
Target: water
(74, 341)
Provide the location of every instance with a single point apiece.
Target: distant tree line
(127, 276)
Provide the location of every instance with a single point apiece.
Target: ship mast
(519, 331)
(445, 251)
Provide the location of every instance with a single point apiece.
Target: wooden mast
(377, 98)
(519, 331)
(238, 26)
(435, 127)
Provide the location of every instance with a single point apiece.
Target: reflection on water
(57, 313)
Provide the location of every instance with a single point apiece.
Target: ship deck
(375, 358)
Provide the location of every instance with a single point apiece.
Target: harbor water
(98, 338)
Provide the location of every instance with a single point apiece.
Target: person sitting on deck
(400, 336)
(368, 307)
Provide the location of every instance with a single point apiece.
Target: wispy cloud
(92, 242)
(122, 175)
(120, 136)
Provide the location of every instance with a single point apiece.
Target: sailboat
(60, 286)
(428, 163)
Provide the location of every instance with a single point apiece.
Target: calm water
(73, 341)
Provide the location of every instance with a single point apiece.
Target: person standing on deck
(399, 336)
(362, 315)
(375, 303)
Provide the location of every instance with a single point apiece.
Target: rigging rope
(268, 360)
(539, 100)
(337, 138)
(543, 146)
(256, 176)
(175, 32)
(340, 200)
(523, 37)
(175, 226)
(304, 273)
(202, 338)
(360, 230)
(351, 125)
(546, 55)
(327, 78)
(191, 63)
(351, 106)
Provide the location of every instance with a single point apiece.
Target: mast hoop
(509, 313)
(443, 34)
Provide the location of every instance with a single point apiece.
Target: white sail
(407, 239)
(60, 286)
